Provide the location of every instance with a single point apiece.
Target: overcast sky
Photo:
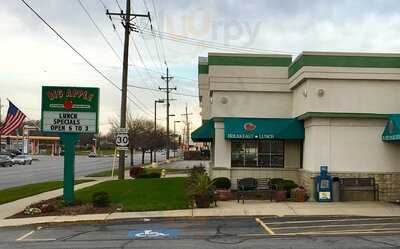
(32, 56)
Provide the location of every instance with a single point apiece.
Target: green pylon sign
(69, 112)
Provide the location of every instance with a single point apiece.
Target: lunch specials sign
(70, 109)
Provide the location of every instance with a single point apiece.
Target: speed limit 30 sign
(122, 139)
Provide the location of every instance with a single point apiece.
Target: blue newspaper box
(323, 188)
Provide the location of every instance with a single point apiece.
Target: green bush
(101, 199)
(146, 174)
(288, 185)
(276, 181)
(222, 183)
(134, 171)
(154, 175)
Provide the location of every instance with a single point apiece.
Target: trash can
(335, 189)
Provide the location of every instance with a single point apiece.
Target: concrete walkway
(232, 208)
(11, 208)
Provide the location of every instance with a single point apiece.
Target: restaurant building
(270, 116)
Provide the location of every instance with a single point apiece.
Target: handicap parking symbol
(149, 233)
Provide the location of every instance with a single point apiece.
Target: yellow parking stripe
(265, 227)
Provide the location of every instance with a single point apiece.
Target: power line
(112, 22)
(158, 26)
(119, 6)
(143, 63)
(176, 37)
(99, 30)
(76, 51)
(155, 90)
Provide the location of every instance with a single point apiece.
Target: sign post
(69, 111)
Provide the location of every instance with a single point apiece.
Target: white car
(22, 159)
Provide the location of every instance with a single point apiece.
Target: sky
(32, 56)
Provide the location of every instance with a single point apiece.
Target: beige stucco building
(271, 116)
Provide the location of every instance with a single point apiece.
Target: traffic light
(8, 140)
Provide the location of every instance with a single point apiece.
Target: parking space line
(344, 232)
(25, 235)
(264, 226)
(318, 221)
(339, 225)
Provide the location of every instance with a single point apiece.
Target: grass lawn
(15, 193)
(141, 194)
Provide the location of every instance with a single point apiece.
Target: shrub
(134, 171)
(100, 199)
(288, 185)
(154, 175)
(148, 174)
(222, 183)
(276, 181)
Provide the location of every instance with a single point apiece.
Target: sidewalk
(17, 206)
(232, 208)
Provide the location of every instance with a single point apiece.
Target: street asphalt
(283, 232)
(49, 168)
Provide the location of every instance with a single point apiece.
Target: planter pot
(202, 201)
(224, 194)
(300, 195)
(280, 196)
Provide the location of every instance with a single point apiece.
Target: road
(51, 168)
(285, 232)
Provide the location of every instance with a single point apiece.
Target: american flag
(13, 120)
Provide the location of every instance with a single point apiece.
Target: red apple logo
(68, 104)
(249, 126)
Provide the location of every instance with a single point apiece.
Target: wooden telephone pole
(129, 26)
(187, 123)
(167, 90)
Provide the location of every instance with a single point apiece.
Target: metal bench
(252, 185)
(359, 184)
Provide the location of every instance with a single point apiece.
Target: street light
(176, 121)
(155, 122)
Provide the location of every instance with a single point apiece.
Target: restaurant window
(257, 153)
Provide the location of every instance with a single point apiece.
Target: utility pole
(167, 90)
(155, 124)
(127, 19)
(186, 114)
(176, 121)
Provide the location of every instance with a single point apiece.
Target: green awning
(204, 133)
(392, 129)
(263, 128)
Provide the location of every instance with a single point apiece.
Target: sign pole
(69, 141)
(70, 112)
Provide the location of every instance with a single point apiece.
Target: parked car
(6, 161)
(7, 153)
(92, 154)
(22, 160)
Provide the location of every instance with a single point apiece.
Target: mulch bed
(55, 207)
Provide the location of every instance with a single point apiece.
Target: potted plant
(280, 192)
(288, 185)
(300, 194)
(202, 189)
(223, 188)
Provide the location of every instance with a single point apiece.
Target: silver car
(22, 160)
(6, 161)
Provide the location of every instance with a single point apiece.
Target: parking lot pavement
(335, 225)
(239, 232)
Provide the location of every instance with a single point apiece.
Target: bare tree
(142, 136)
